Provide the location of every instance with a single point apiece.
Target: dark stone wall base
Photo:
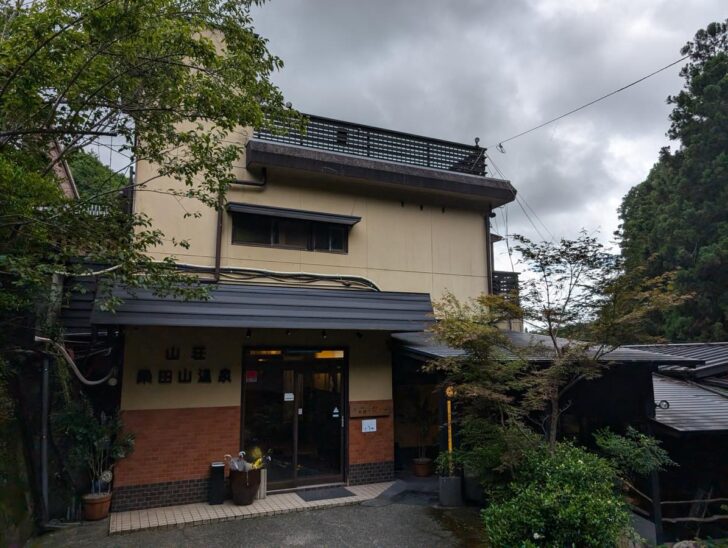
(371, 472)
(138, 497)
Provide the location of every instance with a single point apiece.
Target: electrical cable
(517, 200)
(499, 144)
(70, 362)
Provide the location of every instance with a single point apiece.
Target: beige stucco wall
(370, 376)
(418, 247)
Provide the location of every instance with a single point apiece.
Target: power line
(495, 166)
(499, 144)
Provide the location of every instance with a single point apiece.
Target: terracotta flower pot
(96, 506)
(422, 467)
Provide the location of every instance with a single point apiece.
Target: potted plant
(96, 444)
(450, 482)
(245, 476)
(422, 465)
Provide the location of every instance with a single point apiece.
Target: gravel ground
(408, 519)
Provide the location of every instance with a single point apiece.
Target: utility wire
(499, 144)
(518, 201)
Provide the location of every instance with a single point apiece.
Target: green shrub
(634, 453)
(563, 498)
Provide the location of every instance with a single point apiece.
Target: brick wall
(174, 445)
(371, 454)
(371, 447)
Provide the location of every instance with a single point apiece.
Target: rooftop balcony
(382, 144)
(399, 165)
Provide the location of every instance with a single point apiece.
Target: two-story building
(328, 245)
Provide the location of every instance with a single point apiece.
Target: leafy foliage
(93, 443)
(92, 176)
(676, 220)
(177, 83)
(562, 498)
(487, 377)
(579, 298)
(634, 453)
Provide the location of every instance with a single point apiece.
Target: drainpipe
(45, 398)
(218, 237)
(489, 253)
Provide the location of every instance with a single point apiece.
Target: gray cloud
(468, 68)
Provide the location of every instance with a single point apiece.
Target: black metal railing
(505, 283)
(381, 144)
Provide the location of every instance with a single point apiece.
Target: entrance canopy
(276, 307)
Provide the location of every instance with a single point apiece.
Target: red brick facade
(370, 447)
(177, 444)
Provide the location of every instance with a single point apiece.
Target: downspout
(489, 253)
(45, 399)
(218, 237)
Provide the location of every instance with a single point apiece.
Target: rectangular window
(265, 230)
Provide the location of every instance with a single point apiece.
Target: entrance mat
(310, 495)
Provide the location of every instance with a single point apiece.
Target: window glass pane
(251, 229)
(292, 233)
(321, 237)
(338, 239)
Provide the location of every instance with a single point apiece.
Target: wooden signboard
(370, 409)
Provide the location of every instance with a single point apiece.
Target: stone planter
(96, 506)
(422, 467)
(451, 491)
(472, 489)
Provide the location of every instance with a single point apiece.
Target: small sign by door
(335, 413)
(369, 425)
(288, 396)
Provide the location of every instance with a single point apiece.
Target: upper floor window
(290, 229)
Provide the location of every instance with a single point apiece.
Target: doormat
(310, 495)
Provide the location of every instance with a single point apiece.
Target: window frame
(310, 228)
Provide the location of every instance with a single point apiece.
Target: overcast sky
(492, 68)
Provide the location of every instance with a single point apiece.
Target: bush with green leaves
(634, 453)
(567, 497)
(94, 443)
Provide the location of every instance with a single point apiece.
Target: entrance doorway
(292, 408)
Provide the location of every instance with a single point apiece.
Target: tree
(577, 298)
(677, 220)
(488, 377)
(92, 176)
(175, 81)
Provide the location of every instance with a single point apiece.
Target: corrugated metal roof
(274, 307)
(424, 344)
(713, 355)
(693, 408)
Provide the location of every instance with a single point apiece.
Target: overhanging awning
(277, 307)
(332, 218)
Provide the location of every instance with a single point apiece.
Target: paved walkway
(202, 513)
(401, 517)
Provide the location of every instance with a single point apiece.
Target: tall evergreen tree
(677, 219)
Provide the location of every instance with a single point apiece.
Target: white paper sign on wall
(369, 425)
(288, 396)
